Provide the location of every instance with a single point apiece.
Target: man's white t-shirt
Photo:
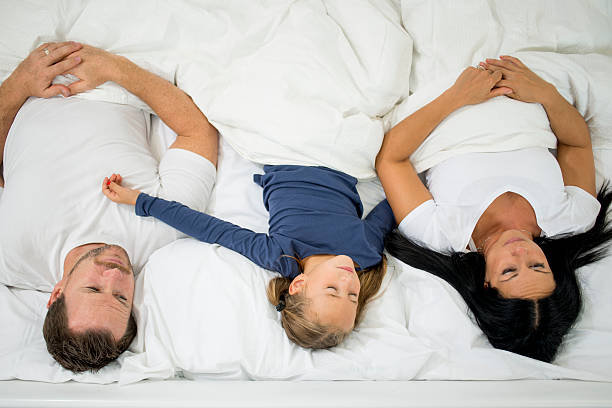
(463, 187)
(57, 154)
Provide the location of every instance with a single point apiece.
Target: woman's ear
(297, 284)
(487, 285)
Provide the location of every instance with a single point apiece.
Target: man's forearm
(11, 100)
(170, 103)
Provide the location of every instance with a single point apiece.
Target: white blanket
(286, 82)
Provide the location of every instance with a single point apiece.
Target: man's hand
(111, 187)
(36, 72)
(97, 67)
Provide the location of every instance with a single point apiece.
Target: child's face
(333, 290)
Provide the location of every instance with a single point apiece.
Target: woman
(329, 259)
(528, 219)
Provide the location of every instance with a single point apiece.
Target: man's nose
(112, 273)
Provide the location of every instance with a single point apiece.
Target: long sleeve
(381, 219)
(258, 247)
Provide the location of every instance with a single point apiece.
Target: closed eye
(508, 270)
(93, 289)
(122, 299)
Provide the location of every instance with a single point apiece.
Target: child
(317, 241)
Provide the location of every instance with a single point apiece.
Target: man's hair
(312, 334)
(533, 328)
(91, 349)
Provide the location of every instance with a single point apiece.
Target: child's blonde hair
(311, 334)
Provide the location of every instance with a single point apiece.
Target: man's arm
(33, 78)
(172, 105)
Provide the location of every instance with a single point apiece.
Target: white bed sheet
(202, 314)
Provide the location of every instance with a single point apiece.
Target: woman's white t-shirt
(463, 187)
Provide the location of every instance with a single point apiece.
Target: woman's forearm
(566, 122)
(473, 86)
(405, 137)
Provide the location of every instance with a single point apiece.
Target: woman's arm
(574, 150)
(33, 78)
(172, 105)
(403, 188)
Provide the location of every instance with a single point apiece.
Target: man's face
(99, 291)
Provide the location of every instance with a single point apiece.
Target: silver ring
(480, 67)
(46, 51)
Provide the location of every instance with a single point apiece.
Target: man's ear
(57, 291)
(297, 285)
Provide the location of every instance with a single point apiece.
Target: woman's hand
(97, 67)
(476, 85)
(526, 86)
(35, 73)
(111, 187)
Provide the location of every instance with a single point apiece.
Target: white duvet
(309, 82)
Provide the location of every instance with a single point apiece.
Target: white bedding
(201, 309)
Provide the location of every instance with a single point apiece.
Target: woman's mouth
(510, 241)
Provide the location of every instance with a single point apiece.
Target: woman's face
(517, 267)
(332, 288)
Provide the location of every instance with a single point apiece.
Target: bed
(318, 82)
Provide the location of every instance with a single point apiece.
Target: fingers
(78, 87)
(505, 62)
(496, 76)
(514, 60)
(56, 90)
(500, 91)
(62, 50)
(106, 187)
(64, 66)
(116, 178)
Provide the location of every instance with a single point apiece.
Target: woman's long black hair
(533, 328)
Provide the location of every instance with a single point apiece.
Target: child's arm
(258, 247)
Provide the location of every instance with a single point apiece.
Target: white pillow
(504, 124)
(202, 309)
(498, 125)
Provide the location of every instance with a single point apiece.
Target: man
(58, 233)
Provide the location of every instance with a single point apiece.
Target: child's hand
(111, 187)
